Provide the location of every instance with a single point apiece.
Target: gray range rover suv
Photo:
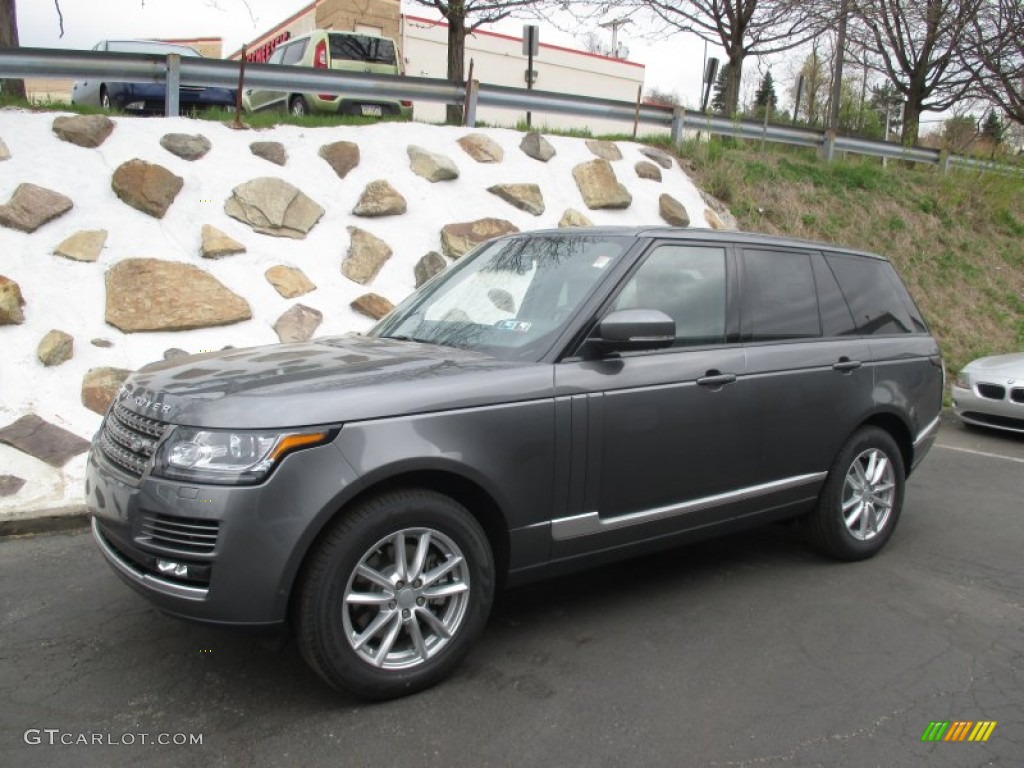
(552, 401)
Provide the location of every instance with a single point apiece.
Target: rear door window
(373, 50)
(836, 318)
(778, 296)
(878, 307)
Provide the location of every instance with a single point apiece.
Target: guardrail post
(173, 83)
(945, 161)
(472, 94)
(828, 148)
(678, 118)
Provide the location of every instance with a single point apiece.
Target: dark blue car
(146, 97)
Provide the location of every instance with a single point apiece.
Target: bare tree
(9, 39)
(463, 17)
(917, 45)
(743, 28)
(994, 53)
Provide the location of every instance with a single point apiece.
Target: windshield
(508, 299)
(148, 46)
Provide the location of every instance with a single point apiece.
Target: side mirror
(635, 329)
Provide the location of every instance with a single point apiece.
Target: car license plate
(372, 110)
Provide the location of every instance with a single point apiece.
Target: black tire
(105, 99)
(297, 106)
(827, 526)
(332, 614)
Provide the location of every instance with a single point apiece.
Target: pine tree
(721, 83)
(993, 129)
(765, 97)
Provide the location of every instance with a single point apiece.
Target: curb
(60, 520)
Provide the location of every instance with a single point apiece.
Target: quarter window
(779, 300)
(293, 53)
(878, 308)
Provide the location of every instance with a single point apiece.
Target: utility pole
(614, 27)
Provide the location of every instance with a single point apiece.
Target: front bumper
(1004, 414)
(217, 554)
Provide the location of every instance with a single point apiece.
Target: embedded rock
(573, 218)
(536, 146)
(185, 146)
(431, 264)
(155, 295)
(298, 324)
(458, 239)
(83, 246)
(174, 353)
(647, 170)
(103, 343)
(5, 153)
(272, 151)
(84, 130)
(30, 207)
(606, 150)
(9, 484)
(342, 156)
(482, 148)
(273, 207)
(721, 210)
(713, 220)
(431, 166)
(100, 386)
(366, 255)
(43, 440)
(11, 302)
(673, 212)
(290, 282)
(657, 156)
(380, 199)
(146, 187)
(373, 305)
(55, 348)
(216, 244)
(525, 197)
(599, 186)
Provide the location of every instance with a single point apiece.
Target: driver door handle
(846, 364)
(716, 379)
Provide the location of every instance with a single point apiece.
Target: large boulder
(83, 246)
(646, 170)
(673, 211)
(216, 244)
(290, 282)
(606, 150)
(11, 302)
(42, 440)
(100, 386)
(146, 187)
(299, 323)
(155, 295)
(721, 211)
(536, 146)
(431, 264)
(431, 166)
(10, 484)
(599, 186)
(373, 305)
(274, 207)
(84, 130)
(272, 151)
(367, 253)
(482, 148)
(573, 218)
(56, 347)
(31, 206)
(459, 239)
(657, 156)
(713, 219)
(5, 153)
(186, 146)
(380, 199)
(342, 156)
(525, 197)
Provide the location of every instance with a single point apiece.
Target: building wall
(498, 59)
(210, 47)
(373, 16)
(40, 90)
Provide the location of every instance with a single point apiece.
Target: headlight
(229, 457)
(963, 380)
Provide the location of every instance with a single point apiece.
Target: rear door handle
(716, 379)
(846, 364)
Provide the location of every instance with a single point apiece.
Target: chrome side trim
(133, 574)
(927, 431)
(591, 522)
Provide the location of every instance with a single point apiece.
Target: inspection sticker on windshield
(601, 262)
(520, 326)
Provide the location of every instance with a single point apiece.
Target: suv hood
(326, 381)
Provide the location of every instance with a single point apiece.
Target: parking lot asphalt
(746, 651)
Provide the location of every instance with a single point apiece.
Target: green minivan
(329, 49)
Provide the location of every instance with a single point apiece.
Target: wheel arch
(899, 430)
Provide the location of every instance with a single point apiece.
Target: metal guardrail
(176, 71)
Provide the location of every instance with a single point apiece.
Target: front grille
(128, 440)
(992, 391)
(181, 534)
(1017, 394)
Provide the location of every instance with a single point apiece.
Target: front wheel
(860, 504)
(395, 594)
(297, 106)
(105, 99)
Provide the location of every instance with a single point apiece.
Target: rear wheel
(395, 595)
(105, 98)
(297, 106)
(860, 504)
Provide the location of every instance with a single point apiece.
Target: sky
(672, 65)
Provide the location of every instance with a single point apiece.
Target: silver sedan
(989, 392)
